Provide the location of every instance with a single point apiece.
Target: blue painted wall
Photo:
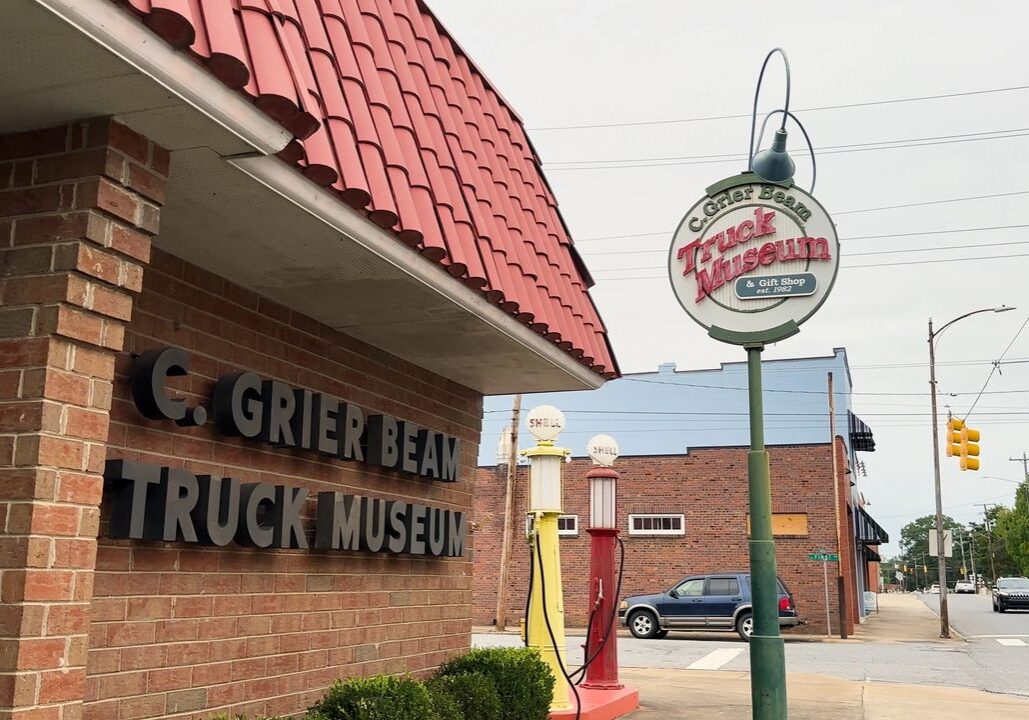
(668, 411)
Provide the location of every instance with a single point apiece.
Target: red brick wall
(709, 487)
(78, 204)
(186, 631)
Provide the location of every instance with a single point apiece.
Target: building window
(567, 525)
(657, 524)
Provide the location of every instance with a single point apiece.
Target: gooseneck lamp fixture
(775, 164)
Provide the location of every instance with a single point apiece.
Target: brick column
(78, 206)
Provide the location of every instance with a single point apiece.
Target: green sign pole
(767, 653)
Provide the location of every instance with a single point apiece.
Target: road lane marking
(1011, 642)
(716, 659)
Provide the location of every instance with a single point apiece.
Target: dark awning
(868, 530)
(871, 555)
(860, 434)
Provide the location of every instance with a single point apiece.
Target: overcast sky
(562, 63)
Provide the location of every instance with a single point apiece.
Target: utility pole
(505, 543)
(841, 596)
(941, 559)
(961, 545)
(1025, 464)
(941, 563)
(989, 540)
(971, 542)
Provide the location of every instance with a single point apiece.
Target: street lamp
(941, 560)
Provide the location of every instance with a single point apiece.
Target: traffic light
(969, 448)
(963, 443)
(954, 437)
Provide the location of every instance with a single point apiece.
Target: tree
(914, 548)
(990, 550)
(1013, 529)
(889, 568)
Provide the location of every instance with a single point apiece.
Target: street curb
(581, 632)
(953, 630)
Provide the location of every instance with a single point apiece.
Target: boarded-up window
(786, 524)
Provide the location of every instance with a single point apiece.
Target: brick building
(686, 512)
(238, 242)
(707, 489)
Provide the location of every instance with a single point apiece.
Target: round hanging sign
(752, 260)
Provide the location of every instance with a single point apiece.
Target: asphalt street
(979, 663)
(973, 617)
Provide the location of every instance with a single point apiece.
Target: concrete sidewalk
(902, 617)
(695, 694)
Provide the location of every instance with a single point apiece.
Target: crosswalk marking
(715, 659)
(1010, 642)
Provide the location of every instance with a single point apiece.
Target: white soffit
(65, 60)
(266, 227)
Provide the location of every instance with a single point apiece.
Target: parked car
(964, 586)
(934, 589)
(1011, 593)
(717, 602)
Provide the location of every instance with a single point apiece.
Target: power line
(842, 267)
(843, 212)
(996, 365)
(879, 366)
(823, 149)
(849, 254)
(869, 103)
(744, 428)
(933, 512)
(933, 202)
(824, 392)
(937, 232)
(846, 267)
(674, 163)
(706, 413)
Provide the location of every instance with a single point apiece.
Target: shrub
(523, 681)
(444, 702)
(376, 698)
(474, 694)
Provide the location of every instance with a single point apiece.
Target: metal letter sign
(752, 260)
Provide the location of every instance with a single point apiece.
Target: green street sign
(824, 557)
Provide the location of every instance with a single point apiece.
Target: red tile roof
(390, 113)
